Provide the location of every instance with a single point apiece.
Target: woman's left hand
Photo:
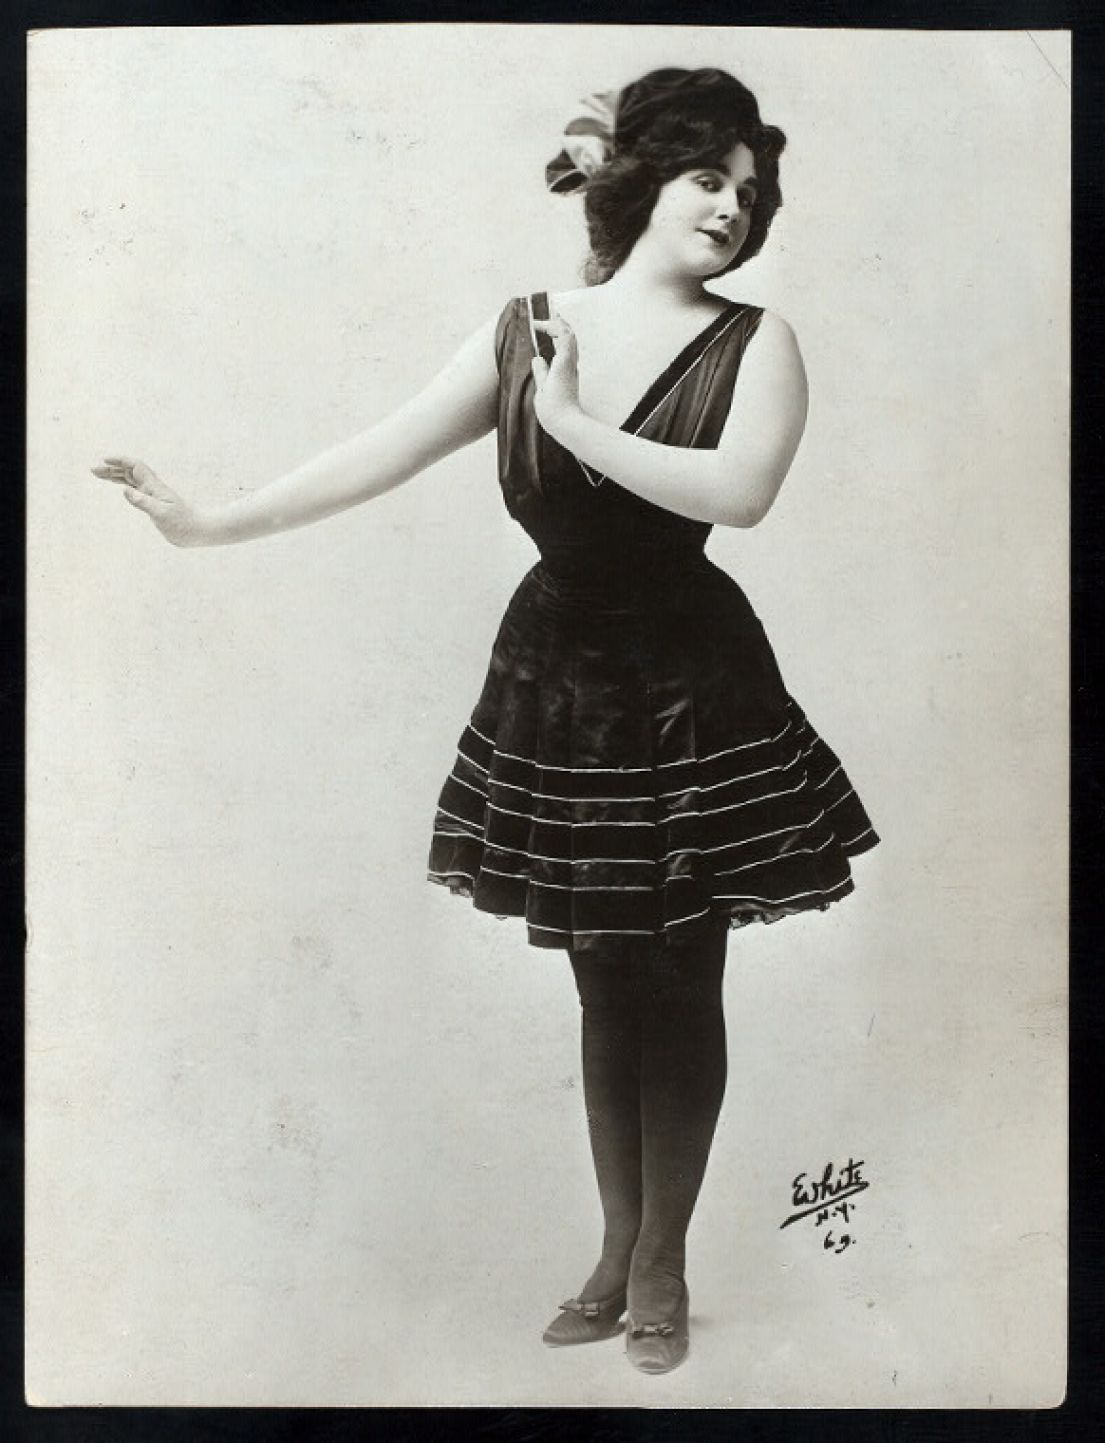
(556, 398)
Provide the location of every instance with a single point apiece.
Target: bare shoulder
(776, 329)
(568, 302)
(773, 350)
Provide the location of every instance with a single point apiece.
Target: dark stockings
(654, 1066)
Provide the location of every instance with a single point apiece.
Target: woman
(635, 779)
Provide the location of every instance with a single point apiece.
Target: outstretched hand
(177, 520)
(557, 385)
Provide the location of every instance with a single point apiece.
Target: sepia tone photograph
(588, 928)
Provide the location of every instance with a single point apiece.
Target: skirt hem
(735, 917)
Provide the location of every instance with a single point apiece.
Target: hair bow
(588, 143)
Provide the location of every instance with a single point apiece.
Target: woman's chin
(709, 265)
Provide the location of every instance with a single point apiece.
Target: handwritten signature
(826, 1197)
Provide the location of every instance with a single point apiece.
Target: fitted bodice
(591, 532)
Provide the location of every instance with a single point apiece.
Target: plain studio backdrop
(305, 1129)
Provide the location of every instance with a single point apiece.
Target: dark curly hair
(668, 122)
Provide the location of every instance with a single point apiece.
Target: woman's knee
(608, 982)
(688, 975)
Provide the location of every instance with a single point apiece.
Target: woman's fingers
(142, 501)
(177, 521)
(556, 327)
(563, 339)
(112, 471)
(119, 468)
(128, 472)
(144, 478)
(154, 506)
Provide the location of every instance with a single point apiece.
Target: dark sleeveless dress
(634, 766)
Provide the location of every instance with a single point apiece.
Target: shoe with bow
(660, 1347)
(590, 1322)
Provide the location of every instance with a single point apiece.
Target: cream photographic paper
(303, 1129)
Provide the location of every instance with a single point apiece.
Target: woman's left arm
(734, 485)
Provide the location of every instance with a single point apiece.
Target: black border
(1082, 1416)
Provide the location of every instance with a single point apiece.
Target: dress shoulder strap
(537, 309)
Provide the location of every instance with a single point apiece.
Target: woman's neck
(640, 278)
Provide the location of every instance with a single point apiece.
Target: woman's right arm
(458, 406)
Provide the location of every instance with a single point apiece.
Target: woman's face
(701, 218)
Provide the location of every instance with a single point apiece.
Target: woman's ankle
(611, 1273)
(655, 1286)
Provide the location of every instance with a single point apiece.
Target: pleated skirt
(635, 768)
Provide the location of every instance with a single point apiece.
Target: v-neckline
(675, 369)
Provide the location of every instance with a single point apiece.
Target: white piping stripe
(728, 326)
(454, 872)
(777, 901)
(842, 798)
(590, 931)
(763, 741)
(472, 763)
(481, 736)
(467, 821)
(602, 476)
(631, 861)
(548, 767)
(675, 922)
(744, 841)
(659, 797)
(594, 480)
(852, 840)
(733, 806)
(453, 777)
(678, 921)
(564, 886)
(514, 787)
(549, 797)
(684, 762)
(744, 777)
(555, 822)
(542, 857)
(778, 832)
(828, 779)
(669, 820)
(609, 801)
(781, 857)
(572, 861)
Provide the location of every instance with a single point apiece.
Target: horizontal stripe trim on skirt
(582, 852)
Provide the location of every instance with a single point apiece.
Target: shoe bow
(589, 1310)
(652, 1330)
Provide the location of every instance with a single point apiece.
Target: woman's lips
(719, 237)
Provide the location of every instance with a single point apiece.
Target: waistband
(617, 584)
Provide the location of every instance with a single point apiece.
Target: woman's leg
(682, 1082)
(610, 997)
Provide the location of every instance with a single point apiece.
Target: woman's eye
(708, 182)
(746, 200)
